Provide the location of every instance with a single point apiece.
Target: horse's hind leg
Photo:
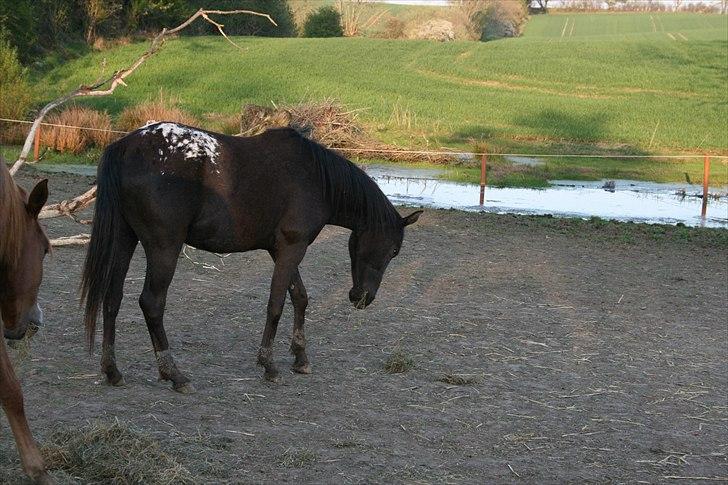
(298, 341)
(11, 399)
(112, 301)
(161, 264)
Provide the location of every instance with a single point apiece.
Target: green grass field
(630, 83)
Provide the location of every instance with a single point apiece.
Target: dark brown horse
(23, 245)
(167, 184)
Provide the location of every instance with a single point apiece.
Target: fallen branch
(118, 77)
(79, 240)
(68, 207)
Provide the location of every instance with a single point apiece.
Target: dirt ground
(586, 352)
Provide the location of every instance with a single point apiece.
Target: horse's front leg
(299, 297)
(286, 265)
(11, 399)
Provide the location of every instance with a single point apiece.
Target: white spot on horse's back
(191, 143)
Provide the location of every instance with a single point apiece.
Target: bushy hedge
(37, 27)
(504, 18)
(324, 22)
(16, 94)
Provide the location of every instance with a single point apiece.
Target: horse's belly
(223, 232)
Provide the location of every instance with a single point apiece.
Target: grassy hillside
(641, 83)
(610, 79)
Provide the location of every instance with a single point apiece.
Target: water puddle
(624, 200)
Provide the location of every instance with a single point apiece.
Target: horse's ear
(412, 218)
(38, 198)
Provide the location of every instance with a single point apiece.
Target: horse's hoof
(185, 388)
(44, 479)
(119, 382)
(272, 377)
(302, 369)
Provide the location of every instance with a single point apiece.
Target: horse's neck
(345, 219)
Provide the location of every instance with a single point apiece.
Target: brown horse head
(23, 246)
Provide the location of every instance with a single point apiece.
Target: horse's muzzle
(360, 298)
(28, 326)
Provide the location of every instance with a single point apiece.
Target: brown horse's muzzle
(28, 324)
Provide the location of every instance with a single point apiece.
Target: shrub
(279, 10)
(324, 22)
(76, 140)
(160, 110)
(504, 18)
(394, 28)
(16, 93)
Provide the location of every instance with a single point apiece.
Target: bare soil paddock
(543, 351)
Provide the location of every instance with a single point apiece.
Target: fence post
(36, 144)
(483, 178)
(706, 178)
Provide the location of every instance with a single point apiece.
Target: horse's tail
(103, 247)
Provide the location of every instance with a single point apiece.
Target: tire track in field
(566, 24)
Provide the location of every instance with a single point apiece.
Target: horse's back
(224, 193)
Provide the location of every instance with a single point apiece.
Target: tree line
(36, 27)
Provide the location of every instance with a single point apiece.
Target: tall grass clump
(85, 127)
(15, 93)
(160, 109)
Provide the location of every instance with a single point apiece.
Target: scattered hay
(332, 125)
(113, 453)
(457, 380)
(397, 363)
(298, 458)
(159, 110)
(22, 346)
(76, 140)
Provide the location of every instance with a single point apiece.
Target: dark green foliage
(41, 27)
(15, 91)
(324, 22)
(153, 15)
(37, 26)
(17, 24)
(242, 24)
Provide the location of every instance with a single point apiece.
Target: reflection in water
(625, 200)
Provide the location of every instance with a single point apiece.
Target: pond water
(628, 200)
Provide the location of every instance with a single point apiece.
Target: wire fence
(452, 152)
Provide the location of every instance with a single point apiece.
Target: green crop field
(632, 83)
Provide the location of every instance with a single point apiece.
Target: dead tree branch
(118, 77)
(78, 240)
(68, 207)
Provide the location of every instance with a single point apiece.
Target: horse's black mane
(350, 192)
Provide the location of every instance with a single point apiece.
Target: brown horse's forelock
(11, 218)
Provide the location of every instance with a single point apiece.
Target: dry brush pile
(332, 125)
